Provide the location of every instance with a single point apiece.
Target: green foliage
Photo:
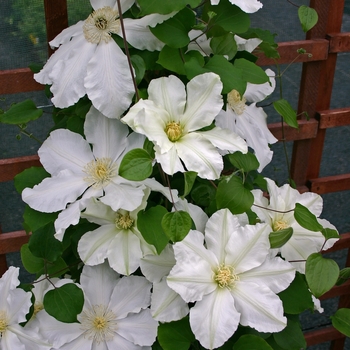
(285, 110)
(29, 178)
(344, 275)
(280, 237)
(252, 342)
(176, 225)
(224, 45)
(164, 6)
(341, 321)
(308, 17)
(306, 219)
(189, 178)
(245, 162)
(64, 303)
(291, 337)
(21, 113)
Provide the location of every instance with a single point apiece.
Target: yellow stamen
(235, 101)
(173, 131)
(225, 276)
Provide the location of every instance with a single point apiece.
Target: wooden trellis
(324, 42)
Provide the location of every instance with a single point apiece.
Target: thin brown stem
(274, 210)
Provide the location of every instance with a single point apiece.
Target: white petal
(108, 137)
(329, 242)
(64, 149)
(214, 319)
(132, 294)
(155, 267)
(124, 252)
(275, 273)
(98, 283)
(93, 245)
(192, 277)
(108, 80)
(260, 308)
(204, 101)
(154, 185)
(68, 74)
(10, 341)
(98, 212)
(140, 329)
(198, 154)
(169, 160)
(225, 139)
(247, 44)
(258, 92)
(124, 4)
(67, 34)
(54, 193)
(97, 4)
(9, 281)
(167, 305)
(218, 231)
(139, 35)
(248, 6)
(169, 93)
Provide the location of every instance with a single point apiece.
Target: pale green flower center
(99, 323)
(279, 225)
(236, 102)
(4, 322)
(173, 131)
(38, 306)
(225, 276)
(101, 24)
(124, 221)
(100, 172)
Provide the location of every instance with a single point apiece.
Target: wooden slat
(322, 335)
(329, 184)
(10, 167)
(307, 130)
(337, 291)
(18, 80)
(12, 241)
(317, 50)
(333, 117)
(339, 42)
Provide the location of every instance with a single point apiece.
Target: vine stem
(127, 49)
(274, 210)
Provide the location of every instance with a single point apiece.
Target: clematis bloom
(232, 279)
(248, 6)
(172, 121)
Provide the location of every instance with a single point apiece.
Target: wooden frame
(323, 42)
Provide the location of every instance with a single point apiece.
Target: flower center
(236, 102)
(123, 220)
(99, 323)
(279, 225)
(173, 131)
(100, 172)
(3, 322)
(101, 24)
(225, 276)
(38, 306)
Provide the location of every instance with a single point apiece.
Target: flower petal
(248, 6)
(108, 75)
(260, 308)
(169, 160)
(204, 101)
(258, 92)
(67, 34)
(247, 44)
(198, 154)
(214, 319)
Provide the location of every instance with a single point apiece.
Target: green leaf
(246, 162)
(164, 6)
(43, 244)
(251, 72)
(329, 233)
(136, 165)
(149, 224)
(29, 178)
(230, 18)
(280, 238)
(297, 297)
(291, 337)
(176, 335)
(36, 219)
(344, 275)
(176, 225)
(251, 342)
(284, 109)
(321, 274)
(203, 194)
(190, 178)
(140, 68)
(30, 262)
(224, 45)
(174, 31)
(233, 195)
(308, 17)
(21, 113)
(64, 303)
(341, 321)
(306, 219)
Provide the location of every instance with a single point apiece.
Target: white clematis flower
(79, 172)
(232, 279)
(279, 214)
(117, 239)
(115, 314)
(248, 6)
(14, 305)
(172, 120)
(90, 62)
(249, 121)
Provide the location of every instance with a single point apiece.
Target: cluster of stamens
(279, 225)
(225, 276)
(123, 220)
(101, 24)
(100, 172)
(173, 131)
(236, 102)
(3, 322)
